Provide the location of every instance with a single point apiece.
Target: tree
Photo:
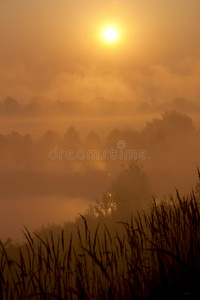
(131, 190)
(10, 106)
(92, 140)
(172, 125)
(130, 193)
(71, 137)
(104, 208)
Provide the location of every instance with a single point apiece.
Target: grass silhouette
(155, 256)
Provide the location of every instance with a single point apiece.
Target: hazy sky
(54, 49)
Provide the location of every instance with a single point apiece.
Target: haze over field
(54, 176)
(64, 86)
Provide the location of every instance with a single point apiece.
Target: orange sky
(53, 49)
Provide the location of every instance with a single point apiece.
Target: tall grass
(157, 255)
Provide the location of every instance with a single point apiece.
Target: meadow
(156, 255)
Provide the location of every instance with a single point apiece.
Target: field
(154, 256)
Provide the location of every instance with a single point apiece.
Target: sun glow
(110, 34)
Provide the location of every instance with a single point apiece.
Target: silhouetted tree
(131, 191)
(71, 137)
(92, 140)
(103, 208)
(9, 106)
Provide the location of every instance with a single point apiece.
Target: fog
(49, 176)
(75, 111)
(55, 50)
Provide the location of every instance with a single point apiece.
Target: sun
(110, 34)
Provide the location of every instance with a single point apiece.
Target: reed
(155, 256)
